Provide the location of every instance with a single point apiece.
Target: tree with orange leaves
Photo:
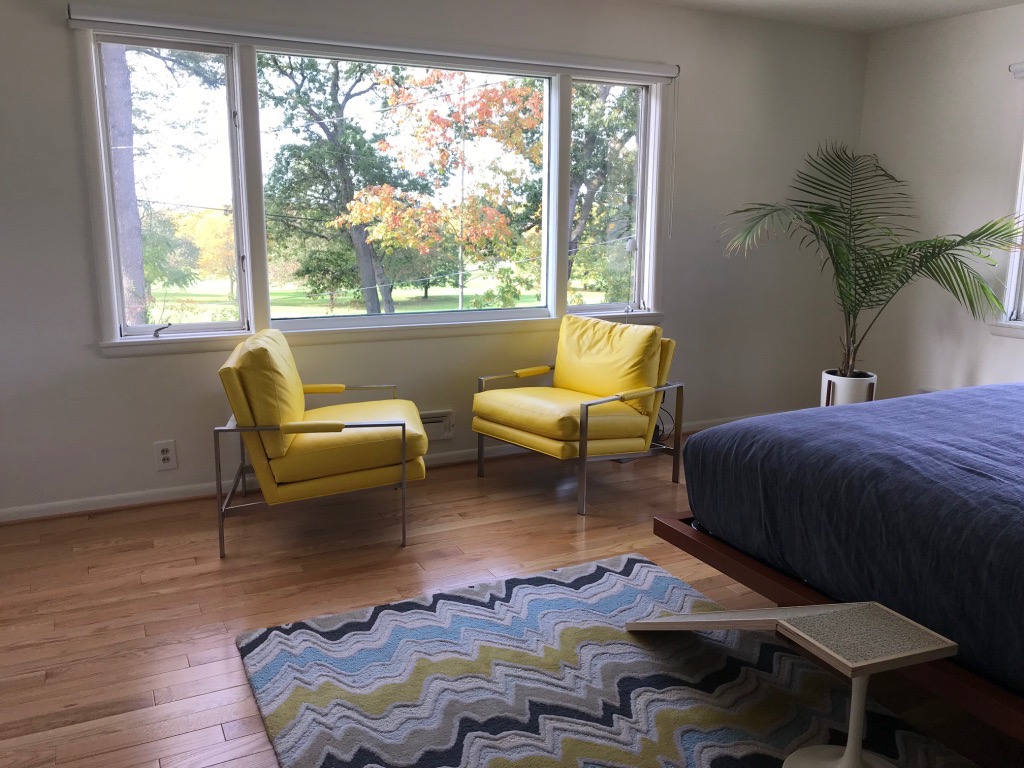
(461, 236)
(400, 196)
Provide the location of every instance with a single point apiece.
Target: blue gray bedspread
(916, 502)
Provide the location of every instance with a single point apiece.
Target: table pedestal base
(853, 754)
(832, 757)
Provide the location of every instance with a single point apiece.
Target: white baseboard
(469, 454)
(97, 503)
(177, 493)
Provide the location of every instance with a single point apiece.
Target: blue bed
(916, 502)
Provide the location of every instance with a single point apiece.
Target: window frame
(250, 225)
(443, 317)
(1013, 297)
(153, 330)
(641, 278)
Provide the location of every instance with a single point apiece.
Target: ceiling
(856, 15)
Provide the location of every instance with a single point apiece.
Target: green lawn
(208, 300)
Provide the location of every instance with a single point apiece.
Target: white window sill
(133, 346)
(225, 342)
(1012, 328)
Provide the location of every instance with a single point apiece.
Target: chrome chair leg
(677, 438)
(581, 484)
(220, 490)
(581, 491)
(404, 462)
(241, 455)
(479, 455)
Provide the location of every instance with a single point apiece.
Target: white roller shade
(313, 40)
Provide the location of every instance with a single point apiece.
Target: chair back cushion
(602, 358)
(264, 388)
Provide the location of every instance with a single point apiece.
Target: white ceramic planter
(843, 390)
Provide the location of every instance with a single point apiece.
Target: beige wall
(942, 111)
(754, 97)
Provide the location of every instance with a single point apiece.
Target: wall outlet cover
(165, 454)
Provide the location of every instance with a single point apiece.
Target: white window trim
(225, 342)
(648, 162)
(249, 190)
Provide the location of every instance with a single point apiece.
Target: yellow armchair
(608, 383)
(303, 454)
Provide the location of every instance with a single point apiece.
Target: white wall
(942, 111)
(754, 97)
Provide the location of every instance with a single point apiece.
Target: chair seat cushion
(322, 454)
(555, 413)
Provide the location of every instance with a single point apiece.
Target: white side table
(857, 639)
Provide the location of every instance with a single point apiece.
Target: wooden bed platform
(985, 700)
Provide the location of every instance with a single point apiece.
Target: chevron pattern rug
(538, 671)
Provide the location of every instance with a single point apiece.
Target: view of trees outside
(400, 189)
(603, 189)
(387, 188)
(168, 123)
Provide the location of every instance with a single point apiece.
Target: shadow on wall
(927, 341)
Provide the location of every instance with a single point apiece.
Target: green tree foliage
(602, 187)
(311, 182)
(409, 268)
(337, 169)
(151, 250)
(169, 258)
(213, 234)
(327, 271)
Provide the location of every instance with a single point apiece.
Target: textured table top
(861, 638)
(854, 638)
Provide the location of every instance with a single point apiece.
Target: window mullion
(559, 148)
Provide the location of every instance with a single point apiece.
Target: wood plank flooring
(116, 629)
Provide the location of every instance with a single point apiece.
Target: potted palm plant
(856, 216)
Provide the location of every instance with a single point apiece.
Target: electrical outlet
(165, 454)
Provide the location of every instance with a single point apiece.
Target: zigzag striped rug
(538, 671)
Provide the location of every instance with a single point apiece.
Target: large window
(247, 186)
(394, 189)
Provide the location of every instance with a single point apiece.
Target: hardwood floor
(116, 629)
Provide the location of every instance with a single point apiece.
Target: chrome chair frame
(224, 506)
(675, 450)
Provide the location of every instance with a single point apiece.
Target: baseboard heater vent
(440, 425)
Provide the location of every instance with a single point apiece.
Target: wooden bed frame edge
(983, 699)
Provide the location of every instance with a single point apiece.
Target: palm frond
(965, 284)
(948, 262)
(772, 220)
